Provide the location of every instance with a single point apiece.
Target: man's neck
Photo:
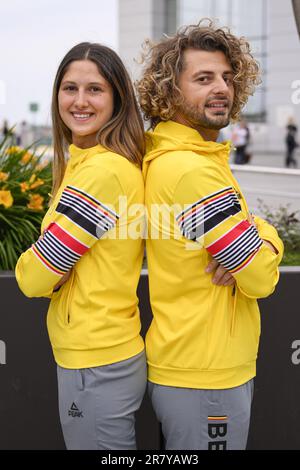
(206, 134)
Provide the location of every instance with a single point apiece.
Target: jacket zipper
(233, 315)
(69, 299)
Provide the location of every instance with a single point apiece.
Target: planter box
(275, 422)
(28, 393)
(28, 387)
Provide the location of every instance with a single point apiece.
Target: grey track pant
(195, 419)
(97, 405)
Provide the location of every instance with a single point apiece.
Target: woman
(84, 260)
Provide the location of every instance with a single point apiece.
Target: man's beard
(199, 118)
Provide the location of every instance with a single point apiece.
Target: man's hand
(266, 242)
(221, 276)
(251, 219)
(271, 246)
(62, 280)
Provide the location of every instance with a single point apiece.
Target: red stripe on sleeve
(228, 238)
(67, 239)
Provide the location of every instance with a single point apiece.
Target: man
(210, 259)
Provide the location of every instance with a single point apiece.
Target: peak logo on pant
(217, 428)
(75, 412)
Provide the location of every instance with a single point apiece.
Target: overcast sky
(34, 37)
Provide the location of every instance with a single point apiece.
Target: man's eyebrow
(209, 72)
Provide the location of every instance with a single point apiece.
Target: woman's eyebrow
(64, 82)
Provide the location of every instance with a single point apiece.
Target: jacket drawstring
(235, 294)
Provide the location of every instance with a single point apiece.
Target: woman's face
(85, 102)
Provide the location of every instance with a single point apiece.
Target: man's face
(206, 83)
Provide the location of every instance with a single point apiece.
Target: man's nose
(220, 86)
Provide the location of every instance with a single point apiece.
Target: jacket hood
(171, 136)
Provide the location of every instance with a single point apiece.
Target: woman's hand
(62, 280)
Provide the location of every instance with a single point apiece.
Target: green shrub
(287, 224)
(25, 183)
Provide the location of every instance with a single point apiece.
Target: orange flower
(38, 183)
(6, 199)
(26, 158)
(3, 176)
(24, 187)
(36, 202)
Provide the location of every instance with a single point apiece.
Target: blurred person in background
(9, 132)
(5, 128)
(240, 139)
(22, 134)
(291, 143)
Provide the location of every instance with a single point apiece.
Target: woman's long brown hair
(123, 133)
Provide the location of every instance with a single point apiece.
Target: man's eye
(203, 79)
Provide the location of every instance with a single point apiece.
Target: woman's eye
(73, 88)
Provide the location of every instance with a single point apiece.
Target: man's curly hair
(158, 89)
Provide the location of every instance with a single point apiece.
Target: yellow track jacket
(93, 319)
(202, 335)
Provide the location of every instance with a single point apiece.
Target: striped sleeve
(80, 220)
(203, 215)
(58, 250)
(85, 211)
(211, 214)
(237, 247)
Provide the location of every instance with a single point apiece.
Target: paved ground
(276, 160)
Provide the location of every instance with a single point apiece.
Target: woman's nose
(81, 99)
